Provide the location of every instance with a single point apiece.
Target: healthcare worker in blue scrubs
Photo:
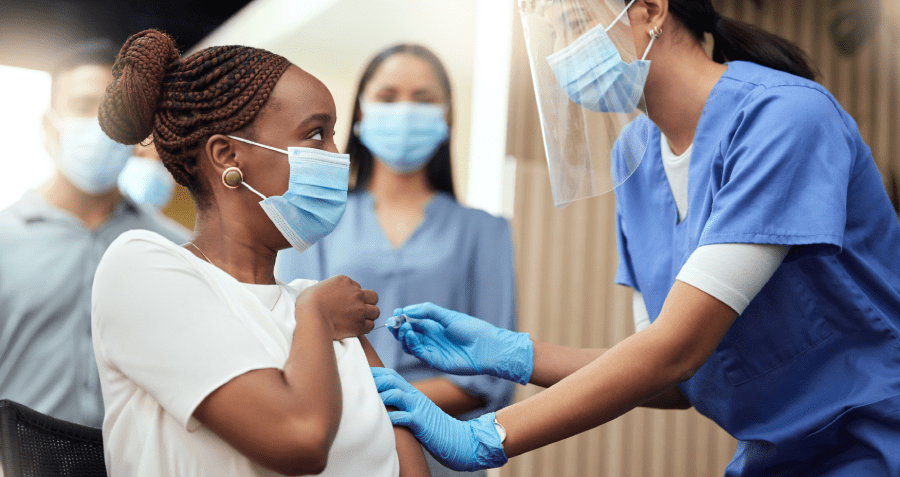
(404, 235)
(753, 227)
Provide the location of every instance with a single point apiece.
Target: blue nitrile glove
(457, 343)
(459, 445)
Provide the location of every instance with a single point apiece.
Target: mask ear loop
(654, 34)
(258, 144)
(255, 191)
(236, 185)
(233, 178)
(620, 15)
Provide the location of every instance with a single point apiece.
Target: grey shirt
(47, 264)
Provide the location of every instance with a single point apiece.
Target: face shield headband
(589, 85)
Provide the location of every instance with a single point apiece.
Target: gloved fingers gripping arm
(460, 445)
(457, 343)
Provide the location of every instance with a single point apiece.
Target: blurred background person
(404, 234)
(51, 241)
(145, 179)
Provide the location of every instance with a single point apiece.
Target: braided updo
(218, 90)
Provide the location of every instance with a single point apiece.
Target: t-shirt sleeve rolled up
(164, 327)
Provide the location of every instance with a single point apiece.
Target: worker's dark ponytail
(738, 41)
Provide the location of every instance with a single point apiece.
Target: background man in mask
(51, 241)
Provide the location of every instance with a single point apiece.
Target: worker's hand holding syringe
(460, 344)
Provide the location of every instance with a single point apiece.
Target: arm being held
(412, 459)
(460, 445)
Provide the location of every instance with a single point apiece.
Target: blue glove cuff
(517, 361)
(489, 452)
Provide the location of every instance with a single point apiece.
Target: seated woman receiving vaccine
(208, 365)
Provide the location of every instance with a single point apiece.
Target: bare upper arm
(371, 355)
(409, 451)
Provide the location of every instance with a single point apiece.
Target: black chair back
(36, 445)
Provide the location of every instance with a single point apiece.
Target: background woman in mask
(756, 233)
(208, 365)
(404, 235)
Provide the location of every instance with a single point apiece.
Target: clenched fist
(347, 307)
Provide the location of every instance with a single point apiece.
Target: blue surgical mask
(88, 158)
(403, 136)
(146, 181)
(316, 196)
(593, 75)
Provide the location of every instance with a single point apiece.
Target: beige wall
(566, 258)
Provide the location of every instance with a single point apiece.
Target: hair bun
(129, 105)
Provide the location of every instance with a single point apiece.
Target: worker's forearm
(553, 363)
(619, 380)
(644, 366)
(448, 396)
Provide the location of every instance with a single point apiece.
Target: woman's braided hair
(218, 90)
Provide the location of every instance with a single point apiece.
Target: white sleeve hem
(189, 422)
(639, 310)
(733, 273)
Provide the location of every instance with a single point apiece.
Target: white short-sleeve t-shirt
(170, 328)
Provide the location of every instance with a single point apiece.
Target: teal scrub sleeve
(783, 176)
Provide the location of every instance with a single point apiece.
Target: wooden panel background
(566, 258)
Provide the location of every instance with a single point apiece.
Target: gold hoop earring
(232, 177)
(655, 32)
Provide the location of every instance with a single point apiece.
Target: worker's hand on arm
(457, 343)
(349, 308)
(409, 451)
(460, 445)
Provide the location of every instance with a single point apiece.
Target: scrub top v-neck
(808, 376)
(458, 258)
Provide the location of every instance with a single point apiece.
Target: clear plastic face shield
(589, 82)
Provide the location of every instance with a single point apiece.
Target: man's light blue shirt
(47, 264)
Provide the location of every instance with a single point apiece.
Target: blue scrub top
(458, 258)
(808, 376)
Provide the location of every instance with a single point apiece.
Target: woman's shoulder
(140, 239)
(764, 86)
(135, 247)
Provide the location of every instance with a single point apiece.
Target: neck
(390, 187)
(677, 90)
(226, 245)
(92, 210)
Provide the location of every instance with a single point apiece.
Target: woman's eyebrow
(318, 117)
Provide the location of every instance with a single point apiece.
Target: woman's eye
(317, 136)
